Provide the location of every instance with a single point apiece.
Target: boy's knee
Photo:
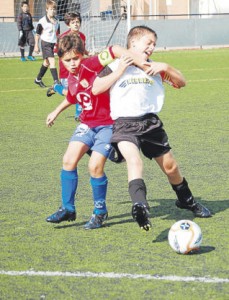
(171, 169)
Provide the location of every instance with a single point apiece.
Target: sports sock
(31, 48)
(183, 192)
(22, 50)
(69, 182)
(54, 74)
(42, 72)
(58, 88)
(137, 191)
(99, 191)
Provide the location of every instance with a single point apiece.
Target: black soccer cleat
(198, 209)
(50, 92)
(61, 215)
(40, 83)
(140, 214)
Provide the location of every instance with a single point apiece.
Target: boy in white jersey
(136, 97)
(47, 30)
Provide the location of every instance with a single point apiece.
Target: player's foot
(62, 215)
(40, 83)
(140, 214)
(31, 58)
(198, 209)
(23, 59)
(50, 92)
(96, 221)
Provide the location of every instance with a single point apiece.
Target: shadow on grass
(163, 208)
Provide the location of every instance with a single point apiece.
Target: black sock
(42, 72)
(31, 48)
(54, 74)
(182, 191)
(137, 191)
(22, 50)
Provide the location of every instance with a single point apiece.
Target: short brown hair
(71, 42)
(139, 31)
(70, 16)
(51, 3)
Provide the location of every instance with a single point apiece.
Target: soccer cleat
(23, 59)
(198, 209)
(62, 215)
(31, 58)
(50, 92)
(140, 214)
(96, 221)
(40, 83)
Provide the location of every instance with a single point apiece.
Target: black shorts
(27, 38)
(145, 132)
(47, 49)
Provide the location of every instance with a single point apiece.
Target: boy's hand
(153, 68)
(50, 119)
(124, 62)
(36, 49)
(20, 34)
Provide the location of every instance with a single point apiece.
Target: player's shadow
(166, 208)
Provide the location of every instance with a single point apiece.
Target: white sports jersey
(49, 30)
(135, 93)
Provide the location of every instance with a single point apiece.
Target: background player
(47, 30)
(73, 21)
(25, 27)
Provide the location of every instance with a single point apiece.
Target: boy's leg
(31, 43)
(22, 50)
(137, 188)
(69, 183)
(99, 191)
(40, 75)
(185, 198)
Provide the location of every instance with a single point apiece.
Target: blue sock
(69, 182)
(58, 88)
(99, 191)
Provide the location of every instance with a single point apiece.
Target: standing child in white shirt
(47, 30)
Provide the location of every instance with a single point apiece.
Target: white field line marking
(115, 275)
(22, 90)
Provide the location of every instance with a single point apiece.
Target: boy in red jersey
(93, 133)
(73, 21)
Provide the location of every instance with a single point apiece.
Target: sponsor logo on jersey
(137, 81)
(84, 83)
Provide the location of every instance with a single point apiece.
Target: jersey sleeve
(19, 22)
(167, 79)
(39, 29)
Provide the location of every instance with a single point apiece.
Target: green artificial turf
(196, 120)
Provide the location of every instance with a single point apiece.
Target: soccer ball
(185, 236)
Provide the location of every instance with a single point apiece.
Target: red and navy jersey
(95, 109)
(63, 72)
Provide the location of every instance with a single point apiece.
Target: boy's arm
(168, 73)
(54, 114)
(39, 30)
(36, 46)
(102, 84)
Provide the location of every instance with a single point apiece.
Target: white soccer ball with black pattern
(185, 236)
